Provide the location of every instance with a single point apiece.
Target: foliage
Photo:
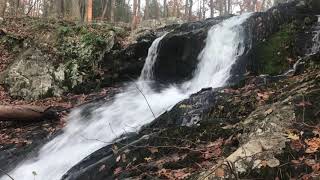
(275, 53)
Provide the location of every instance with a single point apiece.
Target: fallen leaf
(219, 172)
(268, 112)
(296, 145)
(264, 96)
(293, 136)
(316, 167)
(313, 145)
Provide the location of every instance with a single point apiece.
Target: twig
(145, 98)
(6, 174)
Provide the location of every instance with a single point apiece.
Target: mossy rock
(274, 53)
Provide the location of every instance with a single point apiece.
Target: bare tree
(89, 10)
(147, 10)
(253, 5)
(186, 8)
(112, 11)
(165, 8)
(229, 7)
(211, 9)
(3, 7)
(105, 8)
(190, 9)
(134, 15)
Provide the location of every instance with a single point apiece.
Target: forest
(159, 89)
(133, 11)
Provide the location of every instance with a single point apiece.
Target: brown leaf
(219, 172)
(268, 112)
(316, 167)
(296, 145)
(313, 145)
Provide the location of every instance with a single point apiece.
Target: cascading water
(147, 71)
(129, 111)
(316, 38)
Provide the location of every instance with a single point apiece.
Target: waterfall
(147, 71)
(129, 111)
(316, 38)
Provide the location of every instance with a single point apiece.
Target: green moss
(273, 54)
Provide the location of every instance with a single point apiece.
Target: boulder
(32, 76)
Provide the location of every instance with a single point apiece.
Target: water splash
(129, 111)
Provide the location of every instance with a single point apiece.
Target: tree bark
(165, 8)
(190, 9)
(134, 15)
(229, 7)
(3, 7)
(112, 12)
(146, 10)
(211, 9)
(253, 5)
(186, 10)
(26, 113)
(82, 9)
(89, 10)
(103, 16)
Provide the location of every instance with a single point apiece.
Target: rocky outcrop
(42, 67)
(33, 76)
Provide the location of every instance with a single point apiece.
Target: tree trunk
(82, 9)
(165, 8)
(204, 9)
(103, 16)
(263, 4)
(211, 9)
(146, 10)
(157, 10)
(112, 12)
(253, 5)
(134, 15)
(3, 7)
(26, 113)
(89, 11)
(220, 7)
(175, 8)
(225, 7)
(229, 7)
(186, 10)
(190, 9)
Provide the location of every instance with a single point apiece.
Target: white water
(316, 39)
(129, 111)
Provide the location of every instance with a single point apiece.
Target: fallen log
(27, 113)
